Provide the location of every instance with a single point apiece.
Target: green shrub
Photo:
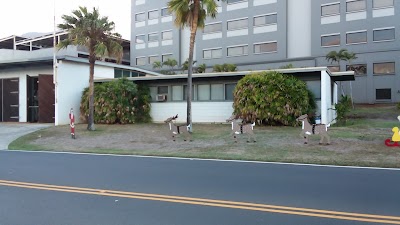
(225, 67)
(218, 68)
(398, 106)
(272, 98)
(342, 108)
(119, 101)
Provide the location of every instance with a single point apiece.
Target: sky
(23, 16)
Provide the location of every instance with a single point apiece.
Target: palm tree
(342, 55)
(202, 68)
(96, 34)
(192, 14)
(171, 63)
(157, 65)
(185, 65)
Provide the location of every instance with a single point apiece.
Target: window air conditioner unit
(161, 98)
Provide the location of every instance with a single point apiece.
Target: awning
(343, 76)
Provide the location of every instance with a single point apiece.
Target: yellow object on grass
(396, 134)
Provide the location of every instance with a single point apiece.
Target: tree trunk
(92, 60)
(193, 30)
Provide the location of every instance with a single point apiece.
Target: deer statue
(178, 129)
(308, 129)
(239, 128)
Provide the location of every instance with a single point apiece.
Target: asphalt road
(199, 184)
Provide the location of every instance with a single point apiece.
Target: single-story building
(38, 84)
(213, 93)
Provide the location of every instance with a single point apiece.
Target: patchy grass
(359, 143)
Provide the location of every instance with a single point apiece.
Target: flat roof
(7, 64)
(348, 75)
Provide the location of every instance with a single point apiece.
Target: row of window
(359, 37)
(258, 48)
(151, 15)
(261, 20)
(200, 92)
(143, 60)
(216, 53)
(383, 68)
(354, 6)
(118, 73)
(152, 37)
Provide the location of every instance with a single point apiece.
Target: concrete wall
(73, 78)
(299, 28)
(202, 112)
(21, 73)
(14, 55)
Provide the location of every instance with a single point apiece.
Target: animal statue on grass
(239, 128)
(178, 129)
(314, 129)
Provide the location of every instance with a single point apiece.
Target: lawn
(358, 143)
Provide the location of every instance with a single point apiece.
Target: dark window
(153, 37)
(235, 1)
(384, 94)
(153, 14)
(355, 6)
(166, 57)
(356, 38)
(384, 68)
(162, 90)
(331, 40)
(165, 12)
(238, 24)
(212, 53)
(166, 35)
(238, 50)
(265, 47)
(141, 61)
(328, 10)
(117, 73)
(384, 34)
(140, 17)
(140, 39)
(211, 28)
(152, 59)
(265, 20)
(229, 89)
(382, 3)
(359, 69)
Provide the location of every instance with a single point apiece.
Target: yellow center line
(211, 202)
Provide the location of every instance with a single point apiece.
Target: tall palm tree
(192, 14)
(95, 33)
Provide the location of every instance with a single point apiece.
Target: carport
(36, 91)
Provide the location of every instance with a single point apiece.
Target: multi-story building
(268, 34)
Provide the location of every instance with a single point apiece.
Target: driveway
(11, 131)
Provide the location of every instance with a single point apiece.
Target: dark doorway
(46, 99)
(10, 102)
(32, 98)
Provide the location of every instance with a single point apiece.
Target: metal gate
(10, 100)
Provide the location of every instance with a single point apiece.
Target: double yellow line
(210, 202)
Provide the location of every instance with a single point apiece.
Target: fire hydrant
(72, 123)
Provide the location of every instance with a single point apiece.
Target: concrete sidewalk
(11, 131)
